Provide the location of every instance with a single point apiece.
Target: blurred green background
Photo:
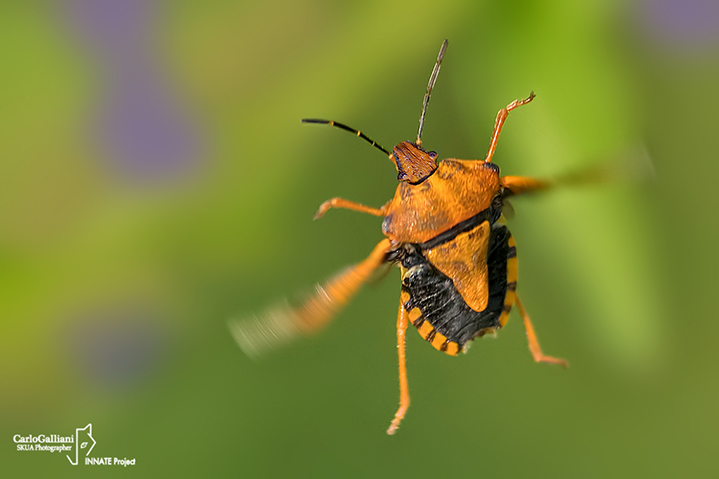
(155, 181)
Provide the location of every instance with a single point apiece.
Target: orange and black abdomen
(438, 310)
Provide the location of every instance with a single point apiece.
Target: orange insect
(445, 229)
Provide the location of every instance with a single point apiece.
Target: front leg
(349, 205)
(499, 122)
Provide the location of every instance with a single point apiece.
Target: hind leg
(402, 322)
(537, 353)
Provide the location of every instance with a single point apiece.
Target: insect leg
(522, 184)
(501, 116)
(279, 326)
(532, 339)
(403, 387)
(632, 165)
(349, 205)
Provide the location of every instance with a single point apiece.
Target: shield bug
(444, 228)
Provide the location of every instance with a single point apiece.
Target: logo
(82, 442)
(82, 445)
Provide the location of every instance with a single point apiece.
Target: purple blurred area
(118, 29)
(116, 346)
(143, 130)
(684, 24)
(141, 127)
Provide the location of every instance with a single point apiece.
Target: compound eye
(432, 154)
(491, 166)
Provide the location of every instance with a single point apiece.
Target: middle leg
(278, 326)
(515, 185)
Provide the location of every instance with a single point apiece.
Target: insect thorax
(455, 192)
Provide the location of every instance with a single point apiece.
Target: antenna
(347, 128)
(432, 80)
